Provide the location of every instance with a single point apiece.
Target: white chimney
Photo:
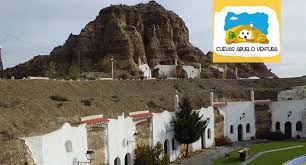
(211, 97)
(252, 95)
(176, 102)
(236, 73)
(200, 67)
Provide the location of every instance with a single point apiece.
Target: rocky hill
(1, 64)
(127, 33)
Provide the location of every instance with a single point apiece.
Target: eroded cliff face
(1, 64)
(127, 33)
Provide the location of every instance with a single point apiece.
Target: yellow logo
(246, 31)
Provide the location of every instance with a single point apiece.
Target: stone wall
(97, 143)
(144, 133)
(219, 124)
(263, 120)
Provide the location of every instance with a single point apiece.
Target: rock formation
(1, 64)
(148, 31)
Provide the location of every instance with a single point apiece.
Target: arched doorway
(203, 140)
(277, 126)
(117, 161)
(240, 132)
(299, 126)
(128, 159)
(288, 129)
(166, 148)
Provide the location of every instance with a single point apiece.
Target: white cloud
(233, 18)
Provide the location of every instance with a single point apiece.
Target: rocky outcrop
(1, 64)
(127, 33)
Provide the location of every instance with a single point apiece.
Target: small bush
(8, 104)
(59, 105)
(86, 102)
(276, 136)
(124, 76)
(144, 155)
(155, 73)
(115, 98)
(222, 141)
(58, 98)
(151, 104)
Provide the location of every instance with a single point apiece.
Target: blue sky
(259, 21)
(32, 27)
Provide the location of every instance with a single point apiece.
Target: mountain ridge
(148, 32)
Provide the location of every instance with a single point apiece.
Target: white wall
(120, 138)
(232, 113)
(206, 113)
(49, 149)
(280, 112)
(192, 72)
(162, 131)
(146, 70)
(166, 70)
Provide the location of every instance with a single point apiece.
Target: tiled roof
(263, 101)
(219, 104)
(142, 115)
(96, 121)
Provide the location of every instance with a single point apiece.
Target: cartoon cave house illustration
(239, 28)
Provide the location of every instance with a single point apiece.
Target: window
(173, 144)
(68, 146)
(166, 143)
(232, 129)
(248, 128)
(208, 133)
(277, 126)
(299, 126)
(117, 161)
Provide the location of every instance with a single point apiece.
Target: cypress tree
(188, 124)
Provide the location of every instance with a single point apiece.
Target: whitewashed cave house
(168, 70)
(289, 113)
(239, 118)
(162, 131)
(117, 137)
(66, 145)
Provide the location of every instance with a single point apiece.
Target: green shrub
(223, 141)
(155, 73)
(58, 98)
(276, 136)
(151, 104)
(86, 102)
(59, 105)
(124, 76)
(74, 72)
(8, 104)
(144, 155)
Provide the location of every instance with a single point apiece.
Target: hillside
(26, 108)
(146, 31)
